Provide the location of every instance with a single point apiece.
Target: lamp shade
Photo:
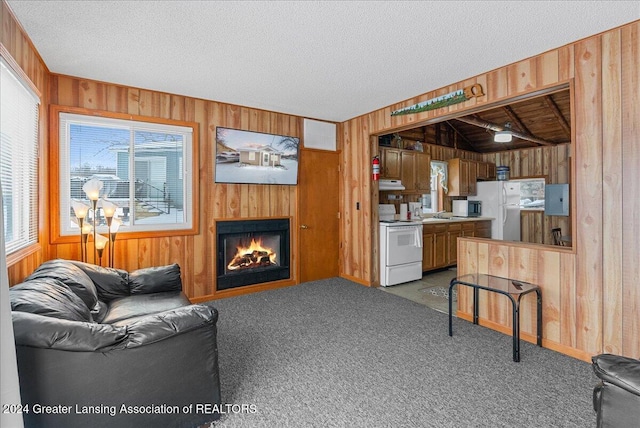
(101, 242)
(79, 209)
(503, 137)
(92, 189)
(115, 225)
(86, 229)
(109, 208)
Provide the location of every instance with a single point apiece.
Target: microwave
(464, 208)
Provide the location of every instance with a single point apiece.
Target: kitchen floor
(430, 291)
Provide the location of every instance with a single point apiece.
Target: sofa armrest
(157, 279)
(40, 331)
(178, 371)
(621, 371)
(157, 327)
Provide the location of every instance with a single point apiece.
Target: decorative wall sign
(459, 96)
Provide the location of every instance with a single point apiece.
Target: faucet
(437, 215)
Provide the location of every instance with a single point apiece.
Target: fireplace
(252, 252)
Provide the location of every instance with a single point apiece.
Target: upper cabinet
(464, 173)
(411, 167)
(486, 171)
(461, 173)
(390, 163)
(416, 172)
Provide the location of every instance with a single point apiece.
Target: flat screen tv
(255, 158)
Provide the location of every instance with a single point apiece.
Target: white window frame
(20, 155)
(65, 116)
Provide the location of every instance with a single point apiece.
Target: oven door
(404, 245)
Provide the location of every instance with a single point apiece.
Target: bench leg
(516, 329)
(539, 326)
(453, 282)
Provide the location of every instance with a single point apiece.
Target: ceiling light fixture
(504, 136)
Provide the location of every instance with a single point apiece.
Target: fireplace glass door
(252, 252)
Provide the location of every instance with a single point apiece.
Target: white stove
(400, 249)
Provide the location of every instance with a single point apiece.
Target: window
(146, 170)
(18, 159)
(531, 193)
(439, 188)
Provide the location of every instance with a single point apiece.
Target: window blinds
(18, 160)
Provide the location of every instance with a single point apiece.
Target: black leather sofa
(100, 347)
(616, 398)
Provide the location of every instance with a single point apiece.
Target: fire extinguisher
(376, 168)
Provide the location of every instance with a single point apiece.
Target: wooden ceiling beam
(515, 119)
(461, 135)
(495, 127)
(558, 114)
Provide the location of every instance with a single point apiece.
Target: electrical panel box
(556, 199)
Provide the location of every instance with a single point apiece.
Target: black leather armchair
(105, 348)
(616, 399)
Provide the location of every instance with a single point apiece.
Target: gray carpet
(333, 353)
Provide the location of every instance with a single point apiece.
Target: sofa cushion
(74, 277)
(155, 279)
(126, 308)
(110, 283)
(49, 297)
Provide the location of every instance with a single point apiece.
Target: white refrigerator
(500, 200)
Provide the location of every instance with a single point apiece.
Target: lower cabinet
(454, 232)
(434, 246)
(483, 229)
(440, 241)
(428, 253)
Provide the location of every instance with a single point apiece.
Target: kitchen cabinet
(390, 163)
(453, 233)
(428, 247)
(415, 172)
(434, 246)
(483, 229)
(440, 241)
(464, 173)
(461, 172)
(486, 171)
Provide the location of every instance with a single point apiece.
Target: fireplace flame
(255, 255)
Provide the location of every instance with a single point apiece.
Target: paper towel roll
(403, 211)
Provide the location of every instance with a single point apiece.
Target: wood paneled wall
(603, 294)
(194, 253)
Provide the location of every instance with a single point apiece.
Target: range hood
(391, 185)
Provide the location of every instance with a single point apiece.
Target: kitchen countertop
(433, 220)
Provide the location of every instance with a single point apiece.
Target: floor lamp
(80, 210)
(92, 188)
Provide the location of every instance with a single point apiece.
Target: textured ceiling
(327, 60)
